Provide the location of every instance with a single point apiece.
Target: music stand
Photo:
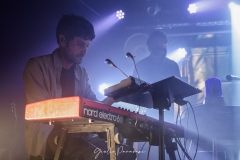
(163, 93)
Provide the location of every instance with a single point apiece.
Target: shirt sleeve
(35, 89)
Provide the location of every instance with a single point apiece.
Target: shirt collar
(56, 59)
(58, 64)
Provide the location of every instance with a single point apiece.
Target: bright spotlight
(120, 14)
(231, 4)
(235, 23)
(181, 52)
(178, 54)
(102, 87)
(192, 8)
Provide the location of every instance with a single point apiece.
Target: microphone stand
(161, 151)
(121, 71)
(161, 100)
(160, 106)
(108, 61)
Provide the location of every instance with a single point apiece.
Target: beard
(72, 58)
(71, 55)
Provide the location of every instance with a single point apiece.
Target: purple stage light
(120, 14)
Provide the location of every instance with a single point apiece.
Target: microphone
(129, 55)
(232, 77)
(108, 61)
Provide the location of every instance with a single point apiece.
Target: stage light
(178, 54)
(181, 52)
(120, 14)
(192, 8)
(102, 87)
(231, 4)
(235, 14)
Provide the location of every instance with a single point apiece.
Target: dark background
(27, 29)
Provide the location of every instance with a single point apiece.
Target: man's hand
(108, 101)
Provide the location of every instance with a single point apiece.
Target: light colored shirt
(41, 82)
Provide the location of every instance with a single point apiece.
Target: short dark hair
(72, 25)
(157, 34)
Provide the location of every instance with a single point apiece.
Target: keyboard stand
(109, 128)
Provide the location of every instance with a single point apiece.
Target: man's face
(76, 49)
(157, 46)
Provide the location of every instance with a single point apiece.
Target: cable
(196, 128)
(186, 137)
(184, 151)
(186, 133)
(185, 148)
(178, 154)
(140, 150)
(179, 143)
(129, 55)
(180, 118)
(178, 114)
(177, 139)
(137, 119)
(139, 108)
(149, 147)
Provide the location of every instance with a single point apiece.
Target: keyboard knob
(118, 138)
